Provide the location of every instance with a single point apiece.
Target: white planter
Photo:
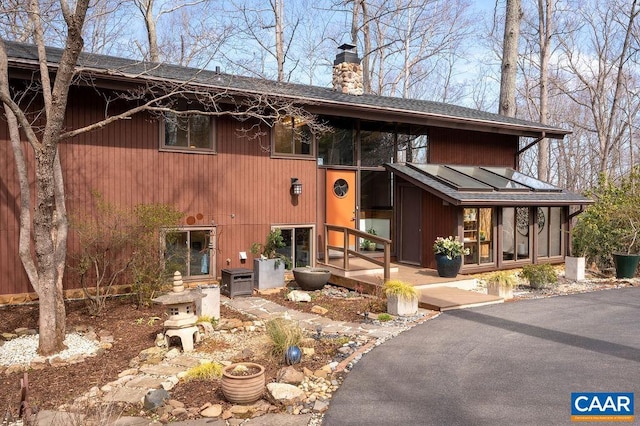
(209, 305)
(400, 306)
(574, 268)
(268, 273)
(496, 289)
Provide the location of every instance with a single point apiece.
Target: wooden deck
(436, 293)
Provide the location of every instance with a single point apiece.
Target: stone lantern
(180, 305)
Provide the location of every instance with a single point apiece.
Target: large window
(292, 137)
(337, 148)
(189, 251)
(478, 235)
(516, 226)
(298, 246)
(377, 147)
(189, 132)
(549, 221)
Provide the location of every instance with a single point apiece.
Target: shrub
(612, 223)
(450, 247)
(540, 276)
(384, 317)
(503, 279)
(206, 371)
(400, 289)
(283, 333)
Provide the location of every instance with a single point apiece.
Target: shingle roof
(433, 112)
(457, 197)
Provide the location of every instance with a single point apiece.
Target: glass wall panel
(555, 231)
(377, 147)
(508, 233)
(478, 235)
(337, 148)
(522, 232)
(543, 232)
(376, 206)
(550, 231)
(412, 148)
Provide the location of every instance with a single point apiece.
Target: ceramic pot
(448, 268)
(240, 388)
(311, 279)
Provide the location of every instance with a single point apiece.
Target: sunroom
(505, 218)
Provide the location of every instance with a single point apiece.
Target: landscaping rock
(155, 399)
(284, 394)
(319, 310)
(228, 324)
(290, 376)
(299, 296)
(152, 355)
(212, 411)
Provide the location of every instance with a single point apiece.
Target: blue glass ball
(293, 355)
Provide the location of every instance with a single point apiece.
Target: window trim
(212, 139)
(275, 154)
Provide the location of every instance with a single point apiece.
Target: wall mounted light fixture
(296, 186)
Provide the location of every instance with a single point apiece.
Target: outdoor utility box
(237, 282)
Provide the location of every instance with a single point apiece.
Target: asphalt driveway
(508, 364)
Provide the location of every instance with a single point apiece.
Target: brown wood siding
(241, 189)
(452, 146)
(439, 220)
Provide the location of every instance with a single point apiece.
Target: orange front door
(341, 203)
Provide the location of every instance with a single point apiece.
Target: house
(409, 169)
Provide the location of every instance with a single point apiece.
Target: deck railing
(353, 236)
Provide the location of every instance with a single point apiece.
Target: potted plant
(449, 252)
(402, 298)
(575, 262)
(243, 382)
(501, 284)
(368, 244)
(268, 268)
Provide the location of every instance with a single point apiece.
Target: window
(189, 132)
(478, 235)
(292, 137)
(190, 251)
(549, 231)
(337, 148)
(297, 247)
(515, 233)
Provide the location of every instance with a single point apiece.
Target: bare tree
(599, 76)
(46, 232)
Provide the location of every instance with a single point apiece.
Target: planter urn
(448, 268)
(268, 273)
(496, 289)
(311, 279)
(243, 388)
(574, 268)
(401, 306)
(626, 264)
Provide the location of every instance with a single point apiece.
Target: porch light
(296, 186)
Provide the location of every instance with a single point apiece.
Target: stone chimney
(347, 71)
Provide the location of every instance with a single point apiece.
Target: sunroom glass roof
(484, 179)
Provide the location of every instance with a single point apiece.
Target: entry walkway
(436, 293)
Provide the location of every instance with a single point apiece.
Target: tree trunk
(278, 10)
(507, 105)
(545, 23)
